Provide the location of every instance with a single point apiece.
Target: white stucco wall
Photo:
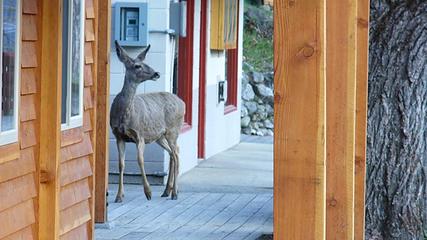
(159, 58)
(222, 131)
(188, 140)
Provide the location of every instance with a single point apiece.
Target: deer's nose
(156, 75)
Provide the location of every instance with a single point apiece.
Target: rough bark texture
(396, 206)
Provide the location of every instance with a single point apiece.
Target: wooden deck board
(166, 220)
(207, 215)
(208, 207)
(200, 215)
(149, 210)
(192, 213)
(161, 210)
(223, 217)
(241, 217)
(255, 224)
(116, 210)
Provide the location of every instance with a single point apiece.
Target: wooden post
(361, 116)
(300, 110)
(50, 123)
(341, 105)
(102, 107)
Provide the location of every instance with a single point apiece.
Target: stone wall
(257, 103)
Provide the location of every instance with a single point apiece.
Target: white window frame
(11, 136)
(74, 121)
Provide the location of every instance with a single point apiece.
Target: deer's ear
(141, 56)
(121, 53)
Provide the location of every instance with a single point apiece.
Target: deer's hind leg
(140, 147)
(172, 141)
(121, 146)
(164, 144)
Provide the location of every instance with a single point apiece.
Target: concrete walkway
(229, 196)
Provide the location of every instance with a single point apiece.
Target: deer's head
(136, 70)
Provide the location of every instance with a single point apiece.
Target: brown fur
(145, 118)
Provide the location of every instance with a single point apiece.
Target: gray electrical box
(178, 17)
(131, 23)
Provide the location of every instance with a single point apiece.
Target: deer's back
(149, 116)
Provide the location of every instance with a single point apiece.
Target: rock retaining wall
(257, 103)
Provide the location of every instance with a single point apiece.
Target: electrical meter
(131, 23)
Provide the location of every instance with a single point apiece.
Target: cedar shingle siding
(19, 161)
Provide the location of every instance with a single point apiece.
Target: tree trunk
(396, 200)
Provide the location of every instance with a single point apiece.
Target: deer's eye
(138, 66)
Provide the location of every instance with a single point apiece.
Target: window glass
(72, 62)
(64, 61)
(76, 61)
(9, 40)
(175, 66)
(230, 18)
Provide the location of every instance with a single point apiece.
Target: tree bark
(396, 200)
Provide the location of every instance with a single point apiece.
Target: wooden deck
(223, 210)
(195, 215)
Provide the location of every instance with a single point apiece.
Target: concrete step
(153, 179)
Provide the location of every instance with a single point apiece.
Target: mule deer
(145, 118)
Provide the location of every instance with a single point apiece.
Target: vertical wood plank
(361, 117)
(299, 139)
(94, 133)
(217, 25)
(50, 111)
(102, 115)
(341, 105)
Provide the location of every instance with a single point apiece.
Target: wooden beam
(361, 117)
(300, 110)
(102, 114)
(341, 105)
(50, 123)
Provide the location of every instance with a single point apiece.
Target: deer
(145, 118)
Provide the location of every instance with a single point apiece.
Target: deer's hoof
(174, 197)
(165, 194)
(148, 195)
(118, 199)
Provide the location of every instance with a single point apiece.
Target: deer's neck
(128, 91)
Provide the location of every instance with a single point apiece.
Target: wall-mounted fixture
(131, 23)
(222, 91)
(178, 17)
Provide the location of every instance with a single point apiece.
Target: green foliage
(258, 37)
(257, 51)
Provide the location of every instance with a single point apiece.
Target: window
(224, 21)
(72, 63)
(9, 42)
(183, 67)
(231, 66)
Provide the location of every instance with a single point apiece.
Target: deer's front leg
(140, 148)
(121, 147)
